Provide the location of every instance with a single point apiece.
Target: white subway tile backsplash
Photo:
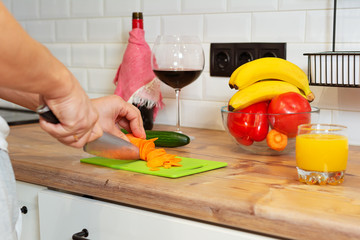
(71, 30)
(203, 6)
(278, 26)
(167, 115)
(89, 55)
(206, 48)
(186, 25)
(349, 119)
(152, 28)
(167, 91)
(208, 114)
(54, 8)
(87, 8)
(316, 4)
(81, 75)
(25, 9)
(300, 4)
(101, 80)
(325, 116)
(349, 99)
(217, 88)
(126, 27)
(230, 27)
(325, 97)
(347, 47)
(61, 52)
(121, 7)
(337, 98)
(295, 52)
(43, 31)
(252, 6)
(319, 26)
(193, 114)
(161, 7)
(348, 4)
(113, 55)
(105, 30)
(194, 90)
(347, 22)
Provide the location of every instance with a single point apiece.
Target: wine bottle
(146, 112)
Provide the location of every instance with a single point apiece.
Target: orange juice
(321, 152)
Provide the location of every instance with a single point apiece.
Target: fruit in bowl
(288, 111)
(272, 100)
(255, 131)
(250, 124)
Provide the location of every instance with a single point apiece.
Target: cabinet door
(62, 215)
(27, 197)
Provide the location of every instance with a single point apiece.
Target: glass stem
(177, 94)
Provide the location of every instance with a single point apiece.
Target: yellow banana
(260, 91)
(233, 76)
(271, 68)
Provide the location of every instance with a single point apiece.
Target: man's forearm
(27, 100)
(27, 65)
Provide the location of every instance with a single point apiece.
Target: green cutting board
(189, 166)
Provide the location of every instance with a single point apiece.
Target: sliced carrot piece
(146, 148)
(167, 165)
(156, 153)
(154, 163)
(176, 160)
(276, 140)
(155, 157)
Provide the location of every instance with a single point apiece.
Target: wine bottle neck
(137, 20)
(137, 23)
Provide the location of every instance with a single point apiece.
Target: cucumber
(166, 138)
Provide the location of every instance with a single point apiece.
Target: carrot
(155, 157)
(155, 162)
(276, 140)
(156, 153)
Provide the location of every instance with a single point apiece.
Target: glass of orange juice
(321, 153)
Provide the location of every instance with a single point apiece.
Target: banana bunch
(263, 79)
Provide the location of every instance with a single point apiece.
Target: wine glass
(177, 61)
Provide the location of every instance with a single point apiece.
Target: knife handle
(46, 113)
(81, 235)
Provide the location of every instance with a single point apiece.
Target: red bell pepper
(282, 107)
(250, 123)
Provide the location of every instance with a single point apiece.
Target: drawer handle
(24, 210)
(81, 235)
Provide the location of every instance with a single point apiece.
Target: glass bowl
(239, 125)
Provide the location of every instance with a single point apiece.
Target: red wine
(177, 78)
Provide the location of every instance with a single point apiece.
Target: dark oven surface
(18, 116)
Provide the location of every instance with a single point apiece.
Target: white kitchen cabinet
(63, 214)
(28, 197)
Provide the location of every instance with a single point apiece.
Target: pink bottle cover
(135, 81)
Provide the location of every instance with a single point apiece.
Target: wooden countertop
(255, 193)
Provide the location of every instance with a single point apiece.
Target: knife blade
(108, 145)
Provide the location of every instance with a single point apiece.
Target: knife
(108, 145)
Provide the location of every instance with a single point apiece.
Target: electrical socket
(222, 59)
(272, 50)
(226, 57)
(244, 53)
